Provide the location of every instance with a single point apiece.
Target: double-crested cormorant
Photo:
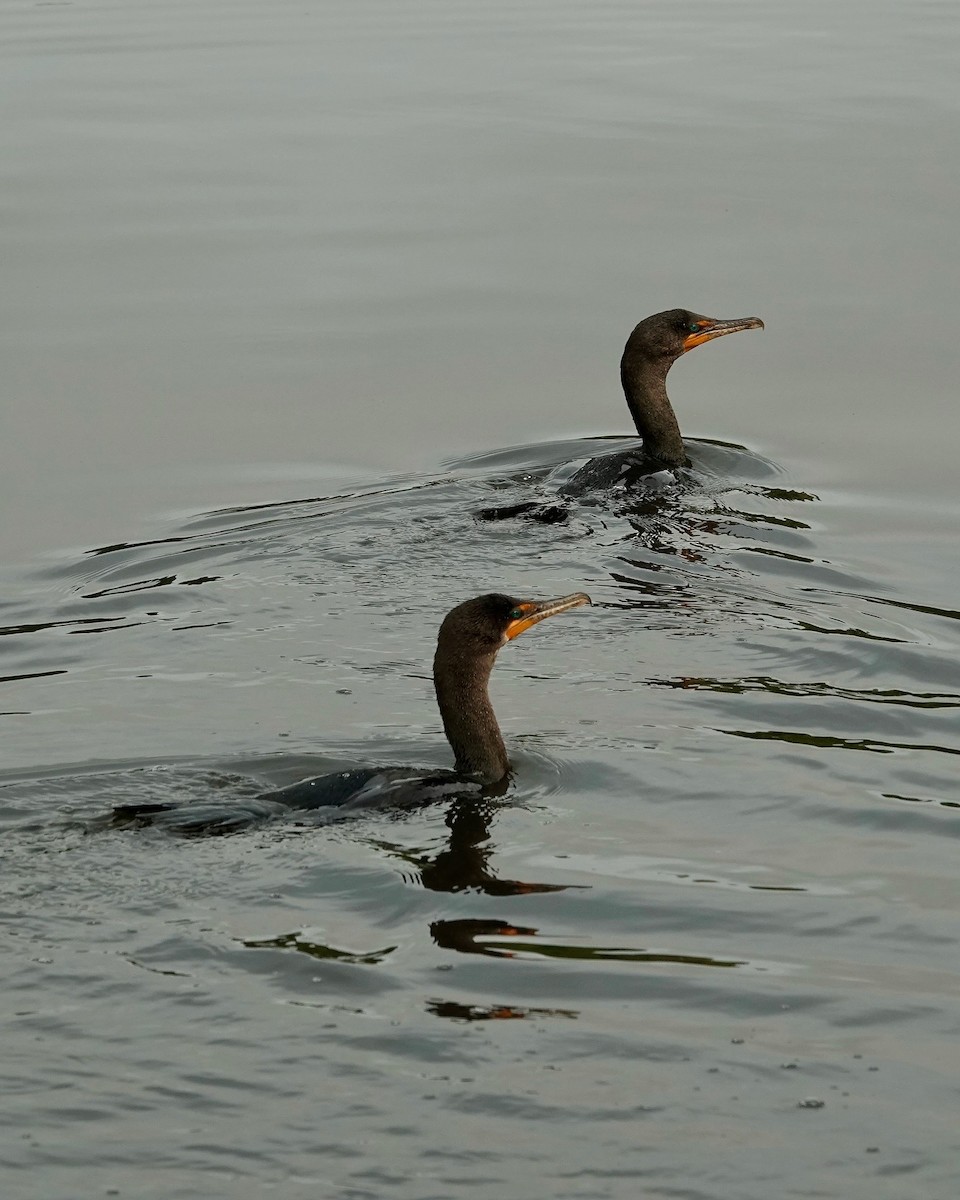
(467, 645)
(650, 352)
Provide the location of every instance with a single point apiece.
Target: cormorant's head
(666, 335)
(485, 623)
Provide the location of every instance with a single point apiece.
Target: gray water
(289, 294)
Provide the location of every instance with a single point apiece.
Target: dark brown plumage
(650, 352)
(470, 636)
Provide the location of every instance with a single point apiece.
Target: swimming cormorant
(650, 352)
(470, 637)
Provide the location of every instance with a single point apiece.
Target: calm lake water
(291, 292)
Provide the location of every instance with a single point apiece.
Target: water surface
(290, 296)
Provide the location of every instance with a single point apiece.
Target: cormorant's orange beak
(710, 329)
(532, 611)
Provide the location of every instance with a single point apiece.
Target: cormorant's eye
(516, 614)
(694, 328)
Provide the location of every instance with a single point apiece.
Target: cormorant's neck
(645, 386)
(468, 718)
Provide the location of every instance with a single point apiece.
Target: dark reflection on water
(463, 864)
(302, 942)
(455, 1011)
(502, 940)
(834, 743)
(778, 687)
